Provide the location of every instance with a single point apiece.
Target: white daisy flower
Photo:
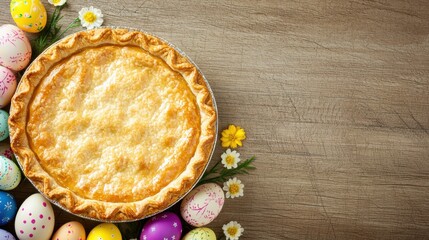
(233, 188)
(232, 230)
(57, 3)
(90, 17)
(230, 159)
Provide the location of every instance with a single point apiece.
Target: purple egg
(5, 235)
(165, 225)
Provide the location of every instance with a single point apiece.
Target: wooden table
(334, 96)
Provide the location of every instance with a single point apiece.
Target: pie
(113, 124)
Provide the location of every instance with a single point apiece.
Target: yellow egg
(105, 231)
(29, 15)
(200, 234)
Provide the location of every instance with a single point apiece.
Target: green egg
(200, 234)
(4, 128)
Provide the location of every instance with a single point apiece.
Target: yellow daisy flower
(232, 136)
(232, 230)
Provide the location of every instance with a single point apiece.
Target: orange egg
(70, 231)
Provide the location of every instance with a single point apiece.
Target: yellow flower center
(89, 17)
(232, 137)
(56, 1)
(234, 189)
(229, 160)
(232, 231)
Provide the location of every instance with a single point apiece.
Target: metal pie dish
(59, 205)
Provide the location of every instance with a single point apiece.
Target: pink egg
(165, 225)
(15, 48)
(5, 150)
(203, 204)
(7, 86)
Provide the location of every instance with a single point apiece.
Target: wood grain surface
(333, 95)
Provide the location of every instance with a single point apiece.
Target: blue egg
(8, 208)
(5, 235)
(4, 128)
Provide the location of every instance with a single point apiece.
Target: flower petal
(240, 134)
(226, 144)
(232, 128)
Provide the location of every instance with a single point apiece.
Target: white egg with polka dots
(35, 219)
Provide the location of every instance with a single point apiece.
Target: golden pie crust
(113, 124)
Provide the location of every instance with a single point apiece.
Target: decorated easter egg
(8, 208)
(200, 234)
(5, 235)
(202, 205)
(15, 48)
(7, 86)
(5, 150)
(70, 231)
(165, 225)
(4, 128)
(35, 219)
(29, 15)
(10, 175)
(105, 231)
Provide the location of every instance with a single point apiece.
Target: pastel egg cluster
(15, 55)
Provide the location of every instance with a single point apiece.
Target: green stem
(70, 26)
(209, 172)
(224, 174)
(48, 26)
(212, 180)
